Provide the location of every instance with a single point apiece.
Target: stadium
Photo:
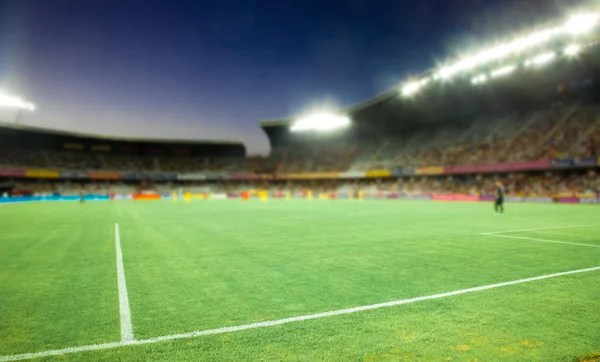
(367, 233)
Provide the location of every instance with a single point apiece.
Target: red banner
(454, 197)
(105, 175)
(12, 173)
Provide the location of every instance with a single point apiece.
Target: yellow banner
(378, 173)
(429, 171)
(586, 196)
(41, 174)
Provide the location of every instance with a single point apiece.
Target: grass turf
(213, 264)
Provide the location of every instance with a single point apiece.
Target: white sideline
(126, 326)
(540, 240)
(499, 235)
(548, 228)
(276, 322)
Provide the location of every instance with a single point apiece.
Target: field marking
(125, 312)
(540, 240)
(548, 228)
(499, 234)
(277, 322)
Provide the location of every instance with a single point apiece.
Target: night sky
(214, 70)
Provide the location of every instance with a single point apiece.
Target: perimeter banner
(105, 175)
(191, 176)
(42, 173)
(13, 173)
(403, 172)
(245, 176)
(378, 173)
(586, 161)
(429, 171)
(455, 197)
(87, 197)
(538, 199)
(352, 174)
(74, 174)
(568, 200)
(313, 175)
(414, 197)
(562, 163)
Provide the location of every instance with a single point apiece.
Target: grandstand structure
(529, 105)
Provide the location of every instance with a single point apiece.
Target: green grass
(213, 264)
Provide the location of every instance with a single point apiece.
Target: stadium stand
(538, 131)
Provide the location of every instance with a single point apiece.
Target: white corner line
(125, 312)
(277, 322)
(540, 240)
(547, 228)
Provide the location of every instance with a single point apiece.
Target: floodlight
(499, 52)
(413, 87)
(320, 122)
(503, 71)
(15, 102)
(581, 24)
(481, 78)
(572, 49)
(541, 59)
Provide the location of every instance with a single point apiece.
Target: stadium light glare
(503, 71)
(480, 79)
(572, 49)
(15, 102)
(499, 52)
(581, 24)
(413, 87)
(541, 59)
(320, 122)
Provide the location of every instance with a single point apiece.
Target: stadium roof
(545, 45)
(100, 137)
(14, 136)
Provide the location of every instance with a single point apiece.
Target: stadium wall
(421, 171)
(559, 198)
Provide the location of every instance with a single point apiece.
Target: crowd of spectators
(560, 132)
(314, 158)
(563, 131)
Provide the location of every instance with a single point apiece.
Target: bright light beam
(414, 87)
(15, 102)
(480, 79)
(581, 24)
(320, 122)
(499, 52)
(541, 59)
(500, 72)
(572, 49)
(576, 25)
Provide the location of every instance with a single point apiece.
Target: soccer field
(299, 280)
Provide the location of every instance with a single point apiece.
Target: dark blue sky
(212, 70)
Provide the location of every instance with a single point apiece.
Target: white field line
(540, 240)
(548, 228)
(499, 234)
(126, 326)
(286, 320)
